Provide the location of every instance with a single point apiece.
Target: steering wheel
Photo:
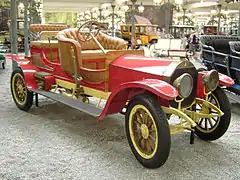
(88, 30)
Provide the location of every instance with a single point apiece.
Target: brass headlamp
(210, 80)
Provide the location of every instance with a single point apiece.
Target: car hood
(155, 66)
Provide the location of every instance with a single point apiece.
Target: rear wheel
(21, 96)
(147, 131)
(212, 129)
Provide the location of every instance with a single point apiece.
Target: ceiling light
(189, 14)
(213, 11)
(226, 12)
(81, 14)
(178, 1)
(178, 14)
(94, 9)
(125, 7)
(87, 12)
(141, 8)
(157, 2)
(21, 6)
(105, 5)
(120, 1)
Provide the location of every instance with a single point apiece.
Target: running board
(84, 107)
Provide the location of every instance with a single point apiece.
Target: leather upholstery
(44, 44)
(46, 27)
(93, 54)
(44, 35)
(71, 38)
(70, 56)
(106, 41)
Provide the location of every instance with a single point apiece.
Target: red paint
(49, 81)
(224, 80)
(200, 86)
(129, 75)
(28, 70)
(118, 98)
(135, 61)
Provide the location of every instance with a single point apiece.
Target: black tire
(162, 146)
(28, 100)
(3, 65)
(222, 123)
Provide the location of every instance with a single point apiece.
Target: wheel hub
(20, 88)
(144, 131)
(205, 110)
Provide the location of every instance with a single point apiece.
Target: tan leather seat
(74, 53)
(46, 27)
(71, 46)
(44, 35)
(93, 54)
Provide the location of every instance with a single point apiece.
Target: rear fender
(28, 70)
(117, 100)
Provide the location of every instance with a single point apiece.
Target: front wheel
(147, 131)
(212, 129)
(21, 96)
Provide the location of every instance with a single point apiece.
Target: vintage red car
(86, 63)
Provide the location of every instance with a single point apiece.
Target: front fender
(28, 70)
(117, 100)
(224, 80)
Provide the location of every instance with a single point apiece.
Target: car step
(44, 80)
(84, 107)
(41, 75)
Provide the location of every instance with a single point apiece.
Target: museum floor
(58, 142)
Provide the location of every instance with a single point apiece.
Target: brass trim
(189, 119)
(179, 113)
(86, 90)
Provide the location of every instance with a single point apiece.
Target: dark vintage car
(222, 53)
(85, 63)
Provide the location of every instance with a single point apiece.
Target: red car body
(146, 90)
(129, 75)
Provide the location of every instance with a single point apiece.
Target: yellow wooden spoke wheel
(208, 125)
(143, 131)
(147, 131)
(214, 128)
(22, 97)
